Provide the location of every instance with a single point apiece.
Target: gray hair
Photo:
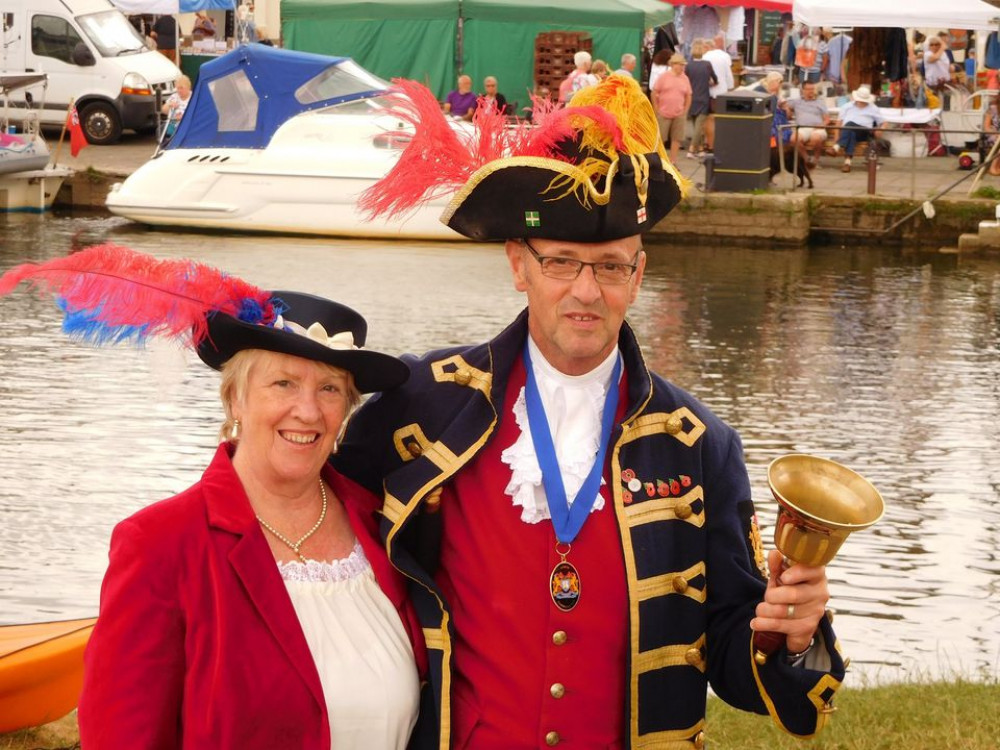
(627, 58)
(581, 57)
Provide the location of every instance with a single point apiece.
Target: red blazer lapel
(242, 540)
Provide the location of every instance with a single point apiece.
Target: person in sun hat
(860, 121)
(255, 609)
(578, 532)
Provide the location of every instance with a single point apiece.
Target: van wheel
(100, 123)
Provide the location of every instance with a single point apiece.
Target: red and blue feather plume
(111, 294)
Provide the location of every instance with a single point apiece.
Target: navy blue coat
(409, 442)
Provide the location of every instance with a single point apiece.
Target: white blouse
(361, 650)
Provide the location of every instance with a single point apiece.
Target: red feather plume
(112, 293)
(442, 156)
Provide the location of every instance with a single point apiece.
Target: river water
(884, 361)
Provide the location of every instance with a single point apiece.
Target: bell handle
(768, 642)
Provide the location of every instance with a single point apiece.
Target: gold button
(463, 377)
(829, 616)
(673, 425)
(557, 690)
(415, 450)
(683, 510)
(552, 739)
(559, 637)
(693, 656)
(699, 740)
(680, 584)
(432, 503)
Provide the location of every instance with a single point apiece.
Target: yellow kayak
(41, 671)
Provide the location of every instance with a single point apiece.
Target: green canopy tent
(408, 38)
(499, 35)
(423, 39)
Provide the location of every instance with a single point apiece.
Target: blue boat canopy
(243, 97)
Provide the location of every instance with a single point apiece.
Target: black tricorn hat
(308, 327)
(592, 172)
(516, 197)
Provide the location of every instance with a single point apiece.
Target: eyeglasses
(567, 269)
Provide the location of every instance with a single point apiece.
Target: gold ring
(791, 612)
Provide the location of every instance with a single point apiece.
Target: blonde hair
(236, 377)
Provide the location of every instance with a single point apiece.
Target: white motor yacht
(277, 141)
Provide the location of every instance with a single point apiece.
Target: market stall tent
(781, 6)
(955, 14)
(422, 39)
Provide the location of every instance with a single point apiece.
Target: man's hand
(794, 606)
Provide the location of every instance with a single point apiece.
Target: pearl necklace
(296, 545)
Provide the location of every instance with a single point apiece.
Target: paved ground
(897, 177)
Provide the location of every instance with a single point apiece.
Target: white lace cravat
(573, 405)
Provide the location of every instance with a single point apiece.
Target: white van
(92, 55)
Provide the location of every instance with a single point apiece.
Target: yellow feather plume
(622, 97)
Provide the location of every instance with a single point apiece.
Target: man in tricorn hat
(579, 532)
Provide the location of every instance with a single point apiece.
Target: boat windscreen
(344, 79)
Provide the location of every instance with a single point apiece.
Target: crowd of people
(462, 101)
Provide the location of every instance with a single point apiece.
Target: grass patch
(925, 716)
(987, 191)
(957, 715)
(59, 735)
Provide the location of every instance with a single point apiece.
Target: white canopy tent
(944, 14)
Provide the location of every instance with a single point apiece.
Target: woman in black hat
(256, 609)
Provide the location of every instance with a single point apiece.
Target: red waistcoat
(523, 668)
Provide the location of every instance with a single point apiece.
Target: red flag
(77, 140)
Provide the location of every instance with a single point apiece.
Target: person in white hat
(860, 120)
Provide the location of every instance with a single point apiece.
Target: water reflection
(888, 363)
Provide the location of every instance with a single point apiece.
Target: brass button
(699, 740)
(552, 739)
(693, 656)
(829, 615)
(432, 503)
(415, 450)
(683, 510)
(463, 377)
(558, 690)
(559, 637)
(673, 425)
(680, 584)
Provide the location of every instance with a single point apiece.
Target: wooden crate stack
(554, 52)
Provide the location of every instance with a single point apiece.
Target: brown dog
(801, 169)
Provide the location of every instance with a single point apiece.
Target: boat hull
(41, 671)
(307, 180)
(254, 198)
(32, 191)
